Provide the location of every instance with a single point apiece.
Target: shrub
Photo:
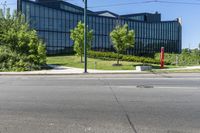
(20, 47)
(130, 58)
(187, 57)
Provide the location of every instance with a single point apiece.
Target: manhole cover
(144, 86)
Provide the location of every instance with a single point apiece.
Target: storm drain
(144, 86)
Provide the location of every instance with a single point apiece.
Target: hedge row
(182, 59)
(130, 58)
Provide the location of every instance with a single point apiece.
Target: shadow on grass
(153, 66)
(46, 67)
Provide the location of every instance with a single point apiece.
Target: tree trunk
(118, 59)
(81, 58)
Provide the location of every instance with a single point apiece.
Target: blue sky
(190, 14)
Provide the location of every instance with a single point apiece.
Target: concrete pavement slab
(51, 104)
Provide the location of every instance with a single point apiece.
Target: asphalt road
(143, 103)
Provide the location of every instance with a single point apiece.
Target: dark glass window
(54, 25)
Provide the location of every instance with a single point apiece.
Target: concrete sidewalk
(184, 68)
(62, 70)
(58, 70)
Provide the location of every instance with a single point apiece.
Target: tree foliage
(1, 13)
(77, 35)
(122, 39)
(199, 46)
(20, 47)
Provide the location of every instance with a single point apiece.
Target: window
(27, 12)
(67, 22)
(54, 26)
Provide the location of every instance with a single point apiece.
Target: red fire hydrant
(162, 61)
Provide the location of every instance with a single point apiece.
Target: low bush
(130, 58)
(12, 61)
(20, 47)
(187, 57)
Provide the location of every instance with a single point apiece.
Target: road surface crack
(121, 106)
(162, 75)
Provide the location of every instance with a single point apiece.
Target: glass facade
(53, 26)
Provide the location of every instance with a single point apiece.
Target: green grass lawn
(177, 71)
(74, 61)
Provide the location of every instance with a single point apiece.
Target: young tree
(77, 35)
(1, 14)
(122, 39)
(8, 13)
(199, 46)
(198, 54)
(186, 51)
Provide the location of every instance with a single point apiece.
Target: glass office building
(53, 20)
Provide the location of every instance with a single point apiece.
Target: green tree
(196, 52)
(8, 13)
(186, 51)
(25, 51)
(1, 14)
(199, 46)
(77, 35)
(122, 39)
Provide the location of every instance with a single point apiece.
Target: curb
(54, 74)
(66, 74)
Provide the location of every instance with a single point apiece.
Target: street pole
(85, 37)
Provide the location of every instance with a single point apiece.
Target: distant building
(53, 20)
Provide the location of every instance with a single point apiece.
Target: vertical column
(180, 34)
(85, 36)
(19, 5)
(162, 58)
